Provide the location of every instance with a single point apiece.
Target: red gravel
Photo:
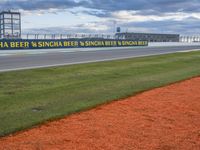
(166, 118)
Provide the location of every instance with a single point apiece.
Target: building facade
(10, 25)
(150, 37)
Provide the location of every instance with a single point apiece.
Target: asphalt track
(39, 59)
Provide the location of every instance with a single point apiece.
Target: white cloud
(93, 27)
(135, 16)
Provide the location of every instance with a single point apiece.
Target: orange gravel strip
(166, 118)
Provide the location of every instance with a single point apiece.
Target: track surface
(20, 61)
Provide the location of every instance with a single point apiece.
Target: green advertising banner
(73, 43)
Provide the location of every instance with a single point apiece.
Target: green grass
(30, 97)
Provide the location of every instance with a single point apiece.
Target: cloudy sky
(100, 16)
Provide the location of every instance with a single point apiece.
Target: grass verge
(30, 97)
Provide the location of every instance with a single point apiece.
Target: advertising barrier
(6, 44)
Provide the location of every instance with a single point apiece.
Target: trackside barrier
(6, 44)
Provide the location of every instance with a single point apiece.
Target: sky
(103, 16)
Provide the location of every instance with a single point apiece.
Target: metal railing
(186, 39)
(67, 36)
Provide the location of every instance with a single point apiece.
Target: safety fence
(68, 36)
(185, 39)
